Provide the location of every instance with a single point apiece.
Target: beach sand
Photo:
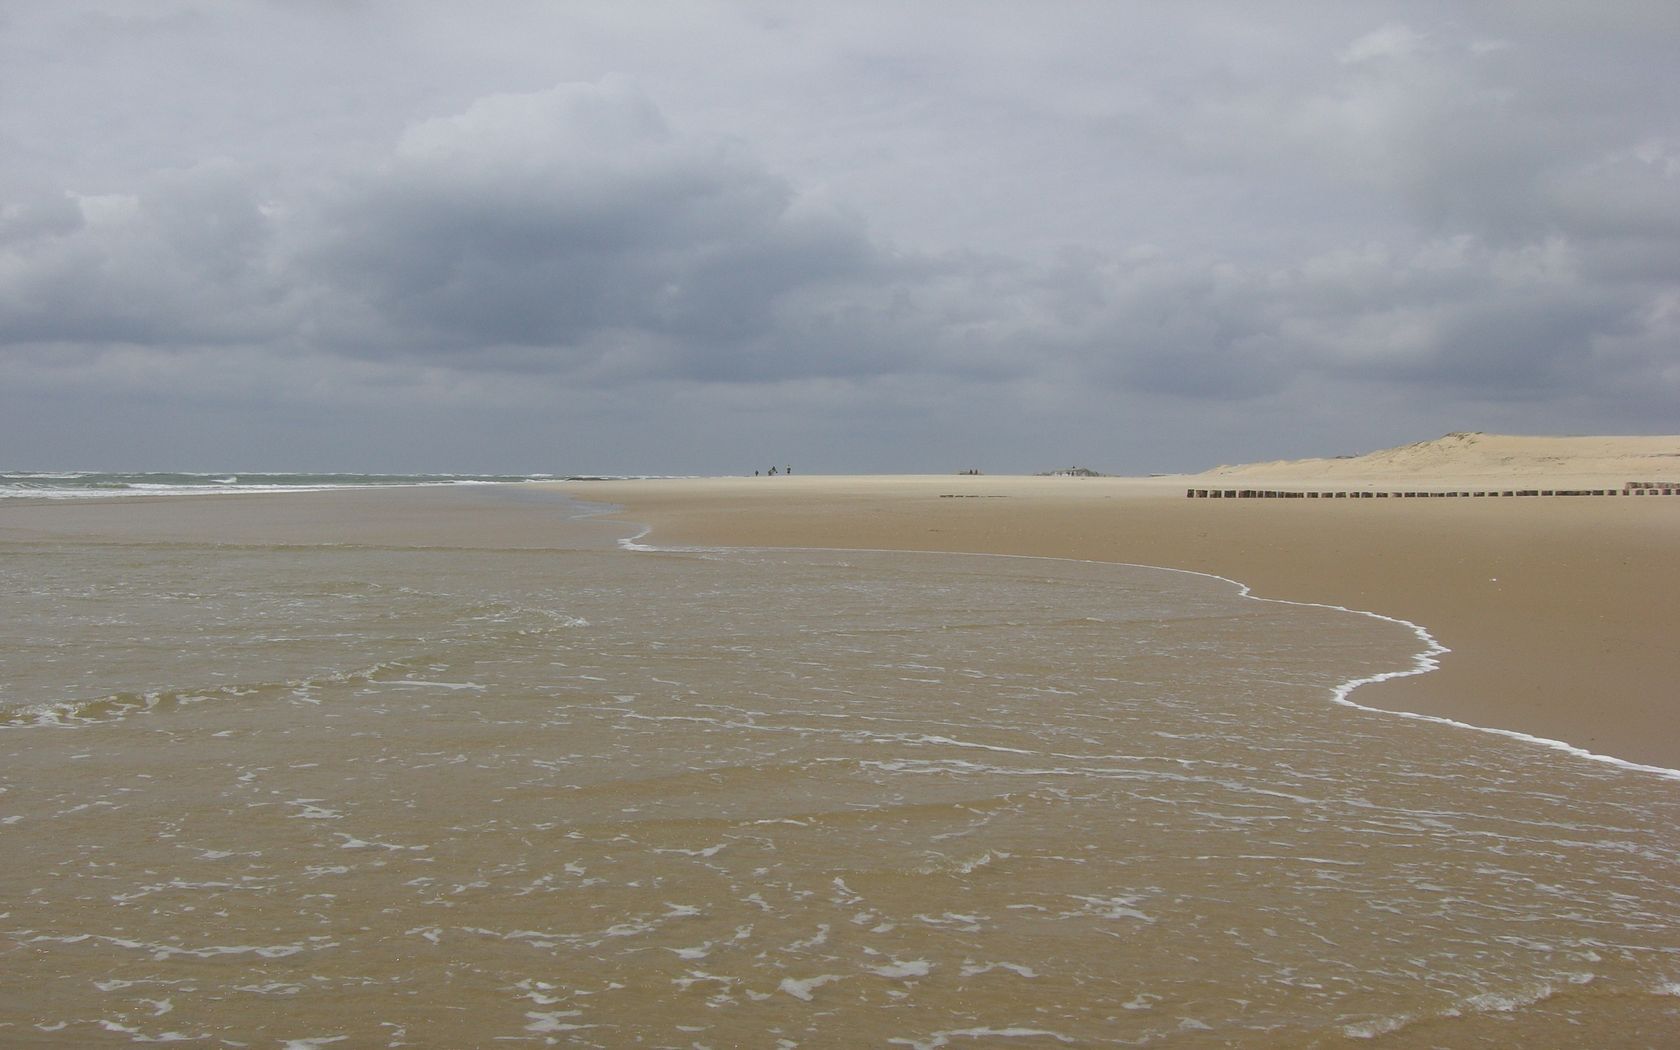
(443, 761)
(1561, 612)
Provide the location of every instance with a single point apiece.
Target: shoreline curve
(1423, 662)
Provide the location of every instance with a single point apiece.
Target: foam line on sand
(1423, 662)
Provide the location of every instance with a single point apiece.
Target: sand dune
(1497, 458)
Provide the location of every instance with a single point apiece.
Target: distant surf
(77, 484)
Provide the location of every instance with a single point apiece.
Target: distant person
(772, 471)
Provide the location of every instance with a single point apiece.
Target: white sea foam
(1514, 999)
(944, 1038)
(976, 969)
(58, 485)
(789, 781)
(948, 742)
(162, 952)
(709, 851)
(1113, 908)
(901, 970)
(803, 989)
(136, 1035)
(413, 683)
(555, 1021)
(352, 842)
(1425, 661)
(1376, 1027)
(310, 811)
(690, 954)
(271, 988)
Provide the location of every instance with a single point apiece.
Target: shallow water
(315, 796)
(80, 484)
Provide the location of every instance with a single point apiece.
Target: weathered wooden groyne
(1631, 488)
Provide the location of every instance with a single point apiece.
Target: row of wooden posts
(1632, 488)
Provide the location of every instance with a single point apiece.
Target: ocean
(312, 794)
(77, 484)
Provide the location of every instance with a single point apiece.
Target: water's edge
(1423, 662)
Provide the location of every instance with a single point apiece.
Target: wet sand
(427, 768)
(1561, 612)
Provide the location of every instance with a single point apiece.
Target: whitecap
(802, 990)
(900, 970)
(939, 1039)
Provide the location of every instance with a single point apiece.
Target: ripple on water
(448, 797)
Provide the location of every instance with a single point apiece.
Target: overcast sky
(710, 237)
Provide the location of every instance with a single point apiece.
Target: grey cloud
(551, 219)
(565, 231)
(36, 217)
(1208, 213)
(185, 257)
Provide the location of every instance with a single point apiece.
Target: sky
(712, 237)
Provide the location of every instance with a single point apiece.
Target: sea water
(81, 484)
(311, 796)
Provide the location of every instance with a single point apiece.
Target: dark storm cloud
(560, 228)
(542, 229)
(186, 256)
(1470, 207)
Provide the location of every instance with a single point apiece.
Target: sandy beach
(1560, 612)
(443, 766)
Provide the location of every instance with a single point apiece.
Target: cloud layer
(1142, 244)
